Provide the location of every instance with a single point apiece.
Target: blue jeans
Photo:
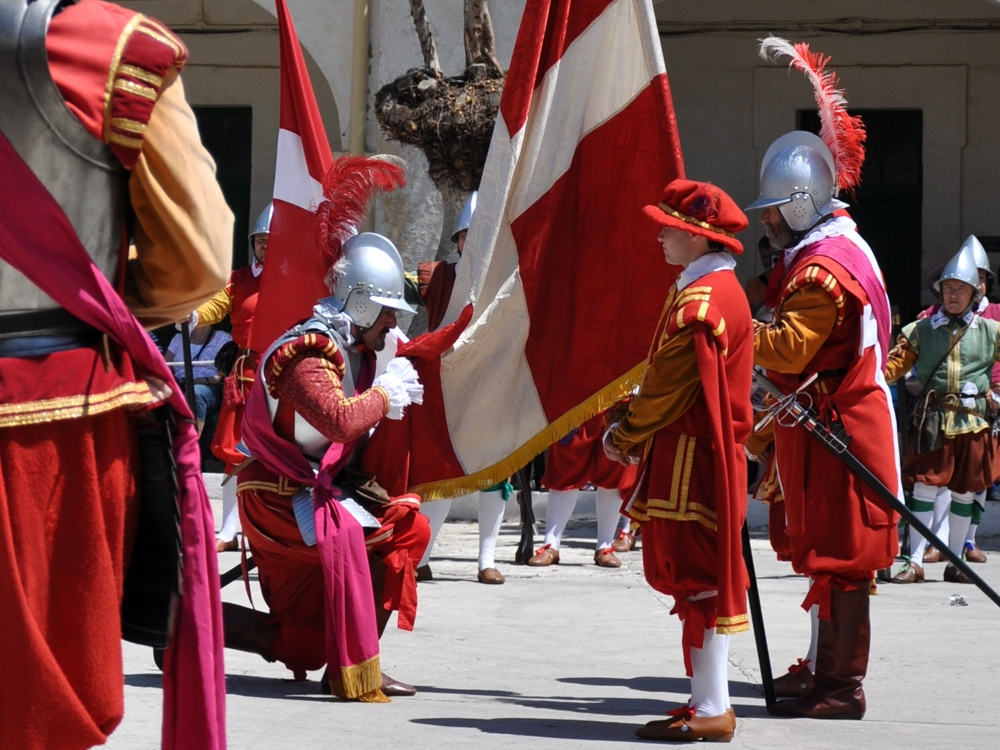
(206, 399)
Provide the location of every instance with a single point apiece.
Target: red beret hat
(700, 208)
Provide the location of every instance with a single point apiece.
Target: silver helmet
(465, 216)
(369, 277)
(982, 259)
(963, 268)
(798, 175)
(263, 223)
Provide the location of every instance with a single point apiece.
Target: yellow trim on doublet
(163, 35)
(596, 404)
(74, 407)
(116, 60)
(730, 625)
(133, 71)
(138, 89)
(128, 125)
(124, 140)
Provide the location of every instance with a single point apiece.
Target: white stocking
(814, 637)
(927, 494)
(710, 675)
(959, 520)
(230, 513)
(437, 513)
(558, 510)
(608, 503)
(942, 506)
(491, 507)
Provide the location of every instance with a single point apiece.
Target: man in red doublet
(95, 110)
(238, 301)
(331, 571)
(687, 427)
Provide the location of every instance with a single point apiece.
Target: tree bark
(426, 35)
(480, 44)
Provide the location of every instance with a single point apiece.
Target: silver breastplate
(80, 172)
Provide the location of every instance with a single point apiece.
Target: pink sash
(352, 648)
(38, 240)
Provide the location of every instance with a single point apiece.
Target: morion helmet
(464, 220)
(982, 259)
(962, 267)
(799, 177)
(370, 277)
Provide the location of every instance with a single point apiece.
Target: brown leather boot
(841, 662)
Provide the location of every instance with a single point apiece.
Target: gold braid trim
(691, 220)
(480, 480)
(74, 407)
(116, 60)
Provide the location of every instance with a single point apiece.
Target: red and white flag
(565, 274)
(292, 279)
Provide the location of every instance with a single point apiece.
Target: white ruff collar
(706, 264)
(941, 318)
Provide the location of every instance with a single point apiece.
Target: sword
(757, 618)
(837, 441)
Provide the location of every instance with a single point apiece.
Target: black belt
(40, 323)
(41, 332)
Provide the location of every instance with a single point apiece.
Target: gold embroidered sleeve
(801, 325)
(183, 236)
(669, 388)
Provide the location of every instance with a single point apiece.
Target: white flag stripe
(487, 222)
(599, 93)
(292, 181)
(499, 351)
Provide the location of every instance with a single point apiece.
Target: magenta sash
(38, 240)
(350, 625)
(842, 250)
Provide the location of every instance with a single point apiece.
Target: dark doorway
(227, 133)
(887, 203)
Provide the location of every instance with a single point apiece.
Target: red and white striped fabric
(565, 274)
(292, 279)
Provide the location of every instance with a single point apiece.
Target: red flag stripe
(547, 29)
(292, 280)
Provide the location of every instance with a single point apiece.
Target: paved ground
(575, 656)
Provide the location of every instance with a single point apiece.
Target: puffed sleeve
(183, 234)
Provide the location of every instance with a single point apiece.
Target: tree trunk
(480, 45)
(425, 35)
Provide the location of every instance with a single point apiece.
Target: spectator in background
(204, 346)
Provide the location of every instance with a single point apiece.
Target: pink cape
(41, 244)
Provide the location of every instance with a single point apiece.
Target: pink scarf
(352, 647)
(38, 240)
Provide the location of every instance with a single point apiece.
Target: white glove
(191, 320)
(970, 391)
(401, 382)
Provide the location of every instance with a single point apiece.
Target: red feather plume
(843, 134)
(348, 187)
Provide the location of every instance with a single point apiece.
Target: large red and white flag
(292, 279)
(565, 274)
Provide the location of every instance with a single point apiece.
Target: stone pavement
(576, 656)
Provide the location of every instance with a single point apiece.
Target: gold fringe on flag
(480, 480)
